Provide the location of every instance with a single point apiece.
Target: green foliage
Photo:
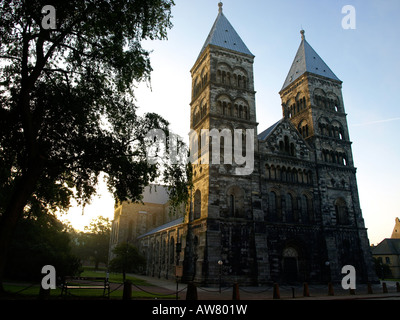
(94, 243)
(39, 241)
(79, 116)
(127, 259)
(67, 110)
(382, 269)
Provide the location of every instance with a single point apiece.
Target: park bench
(71, 283)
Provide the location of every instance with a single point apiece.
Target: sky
(366, 59)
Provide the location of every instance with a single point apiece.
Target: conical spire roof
(223, 35)
(307, 60)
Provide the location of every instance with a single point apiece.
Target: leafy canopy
(66, 100)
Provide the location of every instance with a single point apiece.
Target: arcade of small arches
(288, 174)
(335, 157)
(303, 129)
(199, 83)
(199, 113)
(326, 101)
(297, 106)
(161, 254)
(331, 129)
(237, 109)
(236, 78)
(290, 207)
(287, 147)
(235, 199)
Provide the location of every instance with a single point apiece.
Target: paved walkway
(317, 292)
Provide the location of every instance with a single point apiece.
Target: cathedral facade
(294, 215)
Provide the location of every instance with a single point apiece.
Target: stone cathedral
(295, 218)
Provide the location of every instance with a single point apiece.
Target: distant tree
(382, 269)
(93, 244)
(127, 259)
(67, 109)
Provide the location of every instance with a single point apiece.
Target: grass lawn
(26, 291)
(113, 277)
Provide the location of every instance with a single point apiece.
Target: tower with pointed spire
(223, 100)
(312, 101)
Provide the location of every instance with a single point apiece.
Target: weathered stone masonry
(297, 216)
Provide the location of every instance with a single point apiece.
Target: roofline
(207, 49)
(306, 74)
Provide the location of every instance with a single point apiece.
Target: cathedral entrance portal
(290, 264)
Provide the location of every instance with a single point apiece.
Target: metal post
(220, 263)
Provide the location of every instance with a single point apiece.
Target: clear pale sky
(366, 59)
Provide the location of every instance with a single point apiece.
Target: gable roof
(157, 194)
(387, 246)
(307, 60)
(223, 35)
(263, 135)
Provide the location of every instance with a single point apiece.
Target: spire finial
(302, 34)
(220, 7)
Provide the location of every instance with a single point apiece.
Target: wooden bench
(71, 283)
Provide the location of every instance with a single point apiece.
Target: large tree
(67, 110)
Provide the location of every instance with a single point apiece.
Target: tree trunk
(20, 195)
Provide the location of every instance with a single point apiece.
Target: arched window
(341, 212)
(223, 77)
(273, 172)
(239, 83)
(289, 208)
(336, 103)
(240, 111)
(228, 78)
(284, 174)
(230, 112)
(292, 150)
(272, 201)
(303, 129)
(268, 171)
(197, 205)
(306, 209)
(231, 205)
(235, 202)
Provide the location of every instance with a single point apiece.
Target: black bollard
(306, 290)
(369, 288)
(191, 293)
(235, 293)
(276, 294)
(384, 288)
(397, 287)
(44, 294)
(127, 292)
(330, 289)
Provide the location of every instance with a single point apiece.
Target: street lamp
(220, 263)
